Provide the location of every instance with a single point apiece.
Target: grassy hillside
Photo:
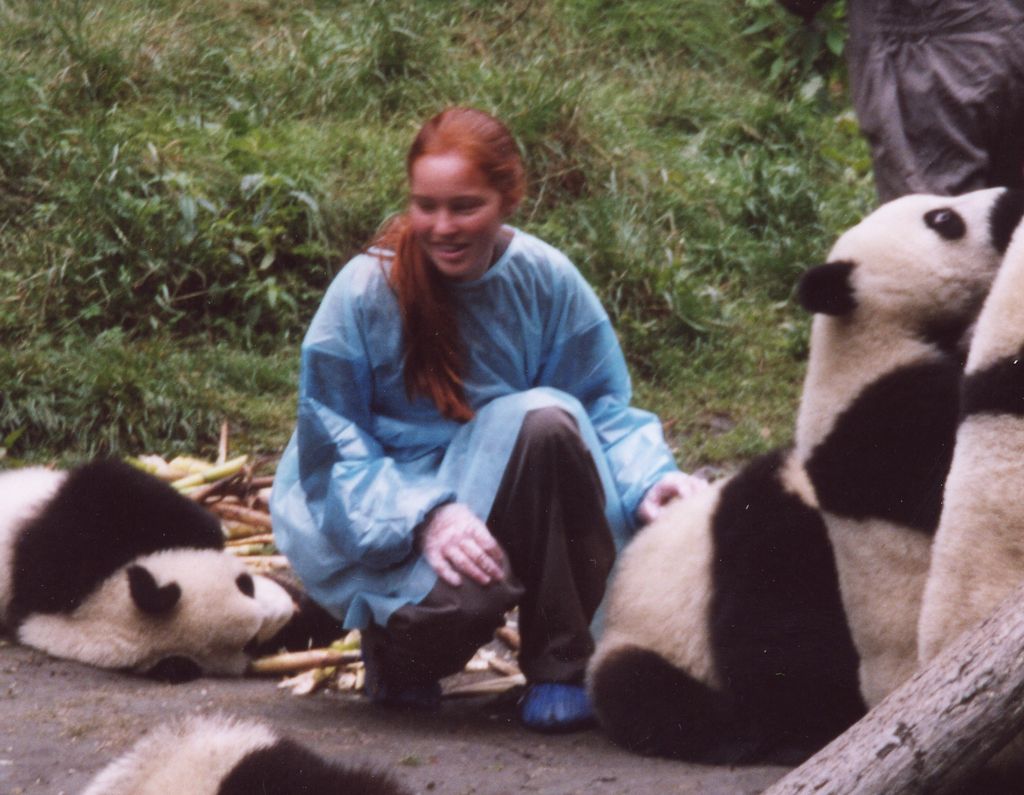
(179, 181)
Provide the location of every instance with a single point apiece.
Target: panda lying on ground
(725, 637)
(109, 566)
(220, 756)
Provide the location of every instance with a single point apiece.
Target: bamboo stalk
(264, 563)
(200, 493)
(487, 686)
(240, 531)
(260, 538)
(222, 446)
(503, 667)
(247, 550)
(211, 474)
(240, 513)
(296, 661)
(508, 636)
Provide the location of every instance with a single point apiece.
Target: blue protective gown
(366, 464)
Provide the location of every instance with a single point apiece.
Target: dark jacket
(938, 87)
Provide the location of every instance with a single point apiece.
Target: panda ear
(826, 289)
(149, 597)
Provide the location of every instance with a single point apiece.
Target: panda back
(103, 515)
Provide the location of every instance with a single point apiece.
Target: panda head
(173, 615)
(922, 263)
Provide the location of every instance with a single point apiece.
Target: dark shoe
(555, 707)
(425, 696)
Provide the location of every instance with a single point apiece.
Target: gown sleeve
(362, 501)
(584, 359)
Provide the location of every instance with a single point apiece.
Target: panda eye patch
(946, 222)
(245, 584)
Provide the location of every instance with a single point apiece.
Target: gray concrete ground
(60, 722)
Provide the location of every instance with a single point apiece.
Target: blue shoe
(555, 707)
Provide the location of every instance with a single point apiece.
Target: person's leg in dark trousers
(434, 638)
(548, 516)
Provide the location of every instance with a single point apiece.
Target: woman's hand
(672, 485)
(454, 541)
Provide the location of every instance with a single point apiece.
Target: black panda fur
(887, 452)
(783, 678)
(881, 400)
(108, 565)
(287, 767)
(216, 755)
(118, 513)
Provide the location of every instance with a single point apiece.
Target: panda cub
(107, 565)
(217, 755)
(880, 403)
(725, 637)
(978, 555)
(747, 623)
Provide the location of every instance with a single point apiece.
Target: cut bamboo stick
(240, 513)
(211, 474)
(296, 661)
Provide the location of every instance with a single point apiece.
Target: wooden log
(939, 728)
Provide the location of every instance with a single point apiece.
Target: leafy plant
(801, 57)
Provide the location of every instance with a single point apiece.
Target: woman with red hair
(465, 441)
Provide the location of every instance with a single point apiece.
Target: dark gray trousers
(548, 517)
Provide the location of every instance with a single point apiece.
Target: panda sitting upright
(725, 637)
(879, 410)
(107, 565)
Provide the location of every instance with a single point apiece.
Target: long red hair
(434, 351)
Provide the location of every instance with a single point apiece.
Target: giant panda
(878, 413)
(107, 565)
(710, 650)
(725, 639)
(217, 755)
(978, 555)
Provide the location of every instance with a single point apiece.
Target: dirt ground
(60, 722)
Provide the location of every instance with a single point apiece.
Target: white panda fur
(978, 556)
(878, 413)
(725, 639)
(109, 566)
(217, 755)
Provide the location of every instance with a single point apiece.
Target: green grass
(180, 180)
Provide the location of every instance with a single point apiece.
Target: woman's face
(455, 215)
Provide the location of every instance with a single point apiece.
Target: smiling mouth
(449, 249)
